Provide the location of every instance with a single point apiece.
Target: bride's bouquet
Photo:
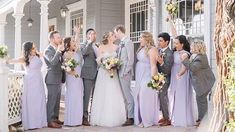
(157, 81)
(69, 66)
(111, 64)
(172, 8)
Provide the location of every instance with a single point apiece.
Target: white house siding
(112, 13)
(91, 9)
(107, 14)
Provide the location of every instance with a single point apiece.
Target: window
(190, 18)
(138, 19)
(77, 19)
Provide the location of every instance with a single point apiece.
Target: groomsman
(126, 55)
(165, 62)
(89, 70)
(53, 59)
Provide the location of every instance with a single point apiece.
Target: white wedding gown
(108, 107)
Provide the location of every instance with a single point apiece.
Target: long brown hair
(28, 46)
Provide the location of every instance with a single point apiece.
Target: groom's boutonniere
(163, 54)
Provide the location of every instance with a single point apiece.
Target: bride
(108, 107)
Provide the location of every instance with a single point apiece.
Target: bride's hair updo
(105, 38)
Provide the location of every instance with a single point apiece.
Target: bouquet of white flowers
(111, 64)
(69, 66)
(157, 82)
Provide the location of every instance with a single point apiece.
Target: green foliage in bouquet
(3, 51)
(72, 63)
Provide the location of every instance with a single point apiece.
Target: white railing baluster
(3, 97)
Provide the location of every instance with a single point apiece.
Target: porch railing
(11, 88)
(15, 89)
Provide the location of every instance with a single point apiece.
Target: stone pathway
(118, 129)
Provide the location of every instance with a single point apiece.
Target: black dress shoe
(54, 125)
(129, 122)
(85, 122)
(59, 122)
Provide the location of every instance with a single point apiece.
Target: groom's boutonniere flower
(163, 54)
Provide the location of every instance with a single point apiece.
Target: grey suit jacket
(89, 68)
(201, 74)
(126, 55)
(166, 67)
(53, 60)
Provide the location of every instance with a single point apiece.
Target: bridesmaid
(74, 85)
(33, 98)
(146, 100)
(180, 90)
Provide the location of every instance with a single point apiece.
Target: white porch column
(18, 42)
(2, 32)
(207, 29)
(44, 24)
(3, 97)
(2, 28)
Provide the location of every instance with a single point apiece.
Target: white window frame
(190, 28)
(80, 5)
(127, 16)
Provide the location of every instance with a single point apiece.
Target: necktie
(120, 49)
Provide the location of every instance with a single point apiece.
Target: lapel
(194, 58)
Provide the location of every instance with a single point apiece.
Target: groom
(126, 55)
(89, 70)
(165, 62)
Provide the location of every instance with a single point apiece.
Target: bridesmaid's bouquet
(111, 64)
(172, 8)
(69, 66)
(157, 82)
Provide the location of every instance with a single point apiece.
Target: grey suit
(165, 68)
(202, 79)
(53, 60)
(126, 55)
(88, 73)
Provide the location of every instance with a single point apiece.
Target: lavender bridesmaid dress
(146, 100)
(180, 95)
(34, 98)
(74, 96)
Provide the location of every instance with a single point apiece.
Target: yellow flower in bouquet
(111, 64)
(172, 8)
(157, 82)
